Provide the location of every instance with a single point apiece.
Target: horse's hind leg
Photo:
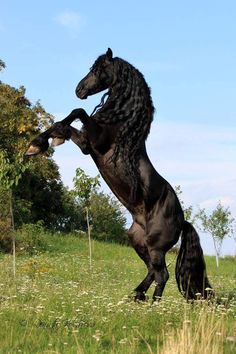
(158, 243)
(161, 274)
(142, 288)
(138, 241)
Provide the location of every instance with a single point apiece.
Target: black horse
(114, 135)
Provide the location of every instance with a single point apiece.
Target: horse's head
(99, 77)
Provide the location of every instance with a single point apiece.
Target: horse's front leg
(78, 113)
(80, 138)
(40, 144)
(59, 132)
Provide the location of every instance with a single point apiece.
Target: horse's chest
(112, 171)
(114, 174)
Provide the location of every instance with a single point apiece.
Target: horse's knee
(77, 113)
(80, 138)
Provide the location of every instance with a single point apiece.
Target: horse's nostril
(78, 90)
(81, 93)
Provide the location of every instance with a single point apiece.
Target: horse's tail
(190, 268)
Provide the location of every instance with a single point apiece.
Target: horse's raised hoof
(33, 150)
(57, 141)
(37, 145)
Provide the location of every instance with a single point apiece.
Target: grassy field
(57, 304)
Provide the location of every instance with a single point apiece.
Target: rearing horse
(114, 135)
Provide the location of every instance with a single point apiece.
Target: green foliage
(11, 169)
(72, 217)
(218, 223)
(42, 196)
(19, 121)
(32, 238)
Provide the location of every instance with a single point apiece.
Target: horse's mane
(129, 101)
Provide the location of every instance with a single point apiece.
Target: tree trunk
(89, 237)
(13, 232)
(217, 254)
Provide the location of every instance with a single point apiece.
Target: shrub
(32, 238)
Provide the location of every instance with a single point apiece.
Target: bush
(32, 238)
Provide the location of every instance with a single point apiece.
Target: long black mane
(129, 101)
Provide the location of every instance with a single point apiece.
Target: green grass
(57, 304)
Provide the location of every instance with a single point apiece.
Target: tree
(84, 187)
(41, 196)
(218, 224)
(19, 120)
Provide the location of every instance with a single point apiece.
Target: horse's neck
(125, 98)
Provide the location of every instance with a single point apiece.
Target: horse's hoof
(156, 299)
(57, 141)
(140, 296)
(37, 145)
(33, 150)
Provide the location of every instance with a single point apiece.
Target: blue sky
(187, 53)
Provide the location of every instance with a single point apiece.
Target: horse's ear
(109, 54)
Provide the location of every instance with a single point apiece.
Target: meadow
(58, 304)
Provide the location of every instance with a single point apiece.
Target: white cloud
(193, 152)
(71, 20)
(225, 200)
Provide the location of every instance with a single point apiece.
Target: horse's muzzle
(82, 94)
